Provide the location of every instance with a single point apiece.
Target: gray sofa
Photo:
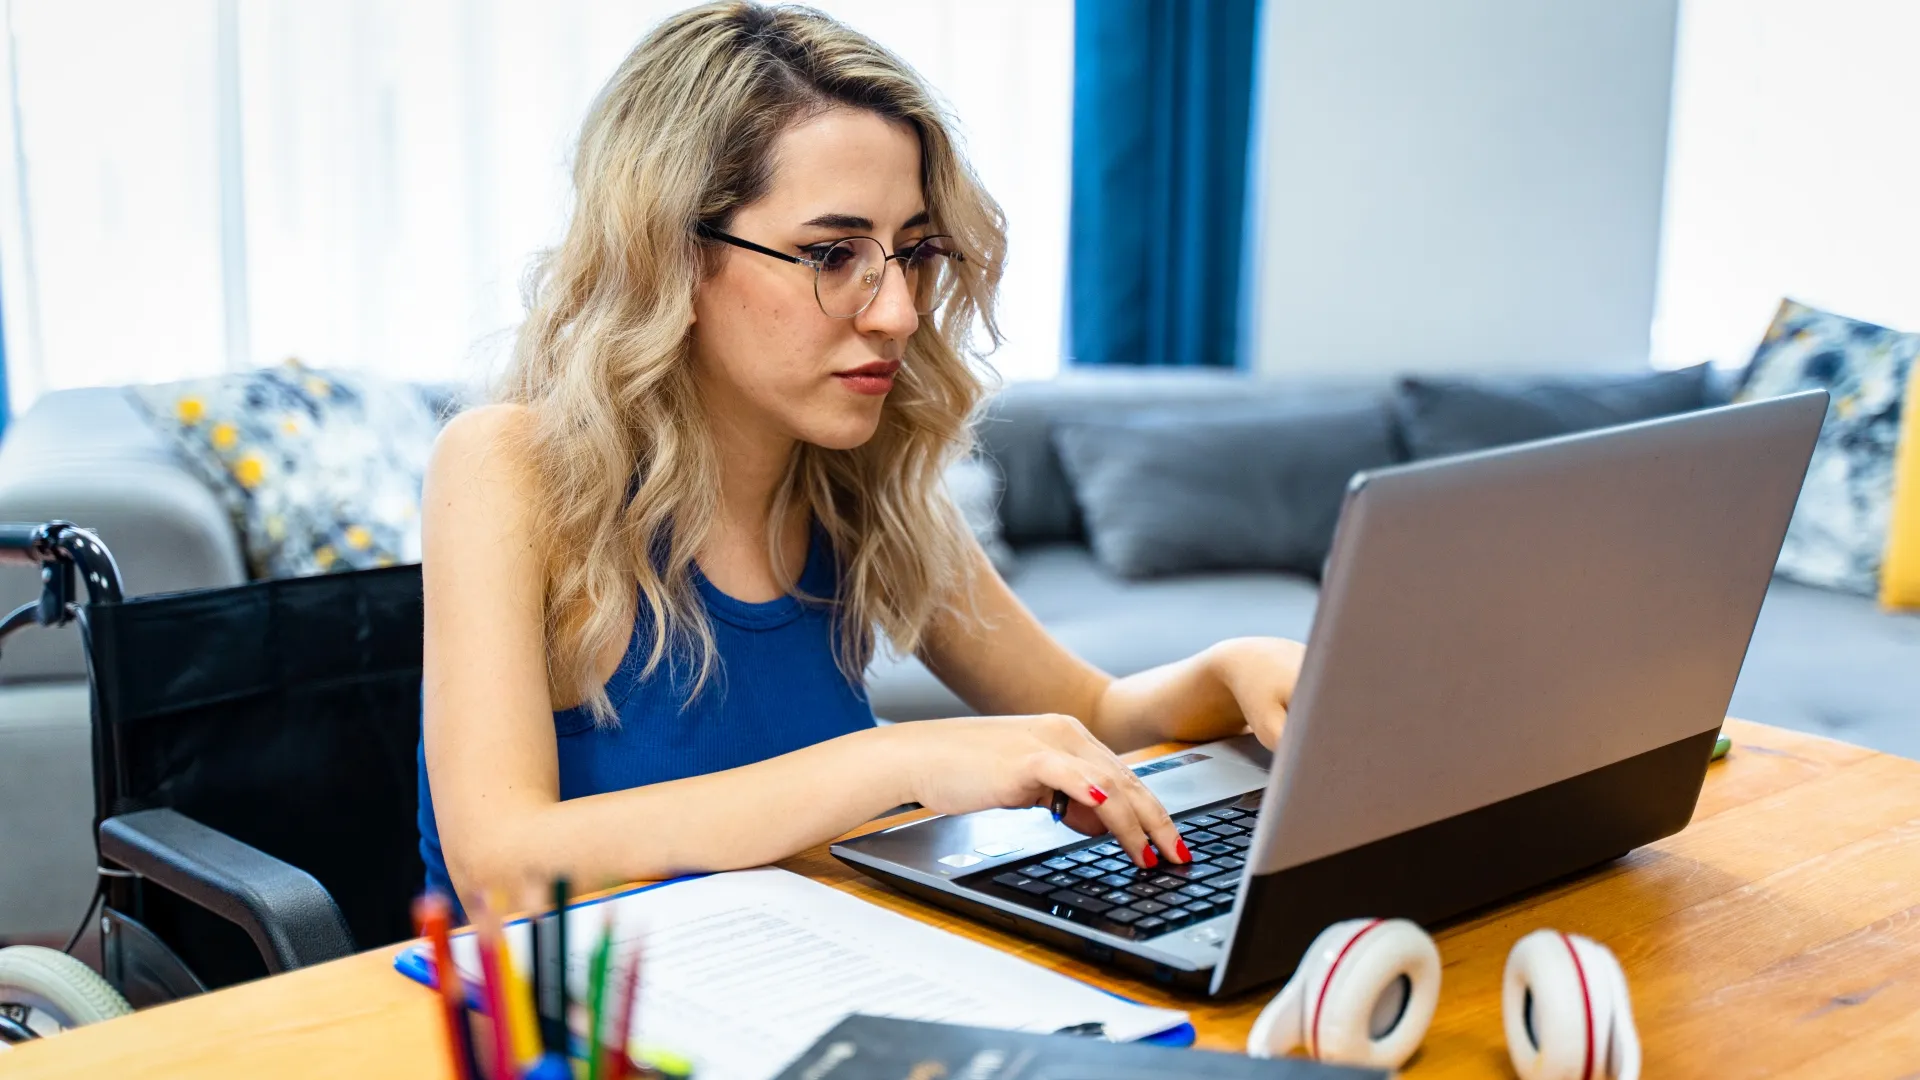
(1820, 661)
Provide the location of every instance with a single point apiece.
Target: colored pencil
(487, 933)
(520, 1022)
(433, 917)
(597, 998)
(619, 1062)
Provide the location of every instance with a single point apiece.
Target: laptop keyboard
(1097, 885)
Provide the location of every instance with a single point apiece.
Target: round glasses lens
(848, 274)
(930, 274)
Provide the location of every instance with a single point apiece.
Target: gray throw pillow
(1453, 416)
(1254, 487)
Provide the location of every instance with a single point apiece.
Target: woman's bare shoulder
(481, 469)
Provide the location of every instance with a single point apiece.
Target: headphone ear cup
(1363, 994)
(1566, 1010)
(1277, 1030)
(1622, 1058)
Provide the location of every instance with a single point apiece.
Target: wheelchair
(254, 779)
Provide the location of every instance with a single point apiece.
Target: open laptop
(1517, 670)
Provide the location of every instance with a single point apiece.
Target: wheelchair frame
(289, 915)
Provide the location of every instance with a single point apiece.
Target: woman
(657, 567)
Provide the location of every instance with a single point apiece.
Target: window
(202, 186)
(1791, 171)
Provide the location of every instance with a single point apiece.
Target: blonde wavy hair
(626, 467)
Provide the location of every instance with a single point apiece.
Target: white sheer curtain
(1793, 171)
(210, 184)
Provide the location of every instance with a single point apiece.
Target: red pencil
(486, 923)
(433, 916)
(622, 1064)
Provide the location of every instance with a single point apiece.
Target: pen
(537, 974)
(432, 915)
(597, 997)
(487, 935)
(555, 1014)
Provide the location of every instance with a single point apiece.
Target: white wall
(1792, 171)
(1460, 185)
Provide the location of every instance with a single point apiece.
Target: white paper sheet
(743, 971)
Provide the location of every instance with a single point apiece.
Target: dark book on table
(881, 1048)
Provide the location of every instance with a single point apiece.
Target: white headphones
(1365, 992)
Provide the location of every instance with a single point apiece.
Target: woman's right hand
(984, 763)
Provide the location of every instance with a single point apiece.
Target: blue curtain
(1162, 105)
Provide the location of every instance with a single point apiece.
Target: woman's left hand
(1259, 672)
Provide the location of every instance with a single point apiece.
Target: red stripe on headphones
(1586, 1005)
(1313, 1043)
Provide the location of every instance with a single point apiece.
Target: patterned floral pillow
(1839, 530)
(321, 470)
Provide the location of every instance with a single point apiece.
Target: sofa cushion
(85, 456)
(1838, 534)
(1220, 487)
(321, 471)
(1121, 627)
(46, 800)
(1454, 416)
(1015, 430)
(1900, 572)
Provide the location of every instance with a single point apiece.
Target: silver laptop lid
(1454, 663)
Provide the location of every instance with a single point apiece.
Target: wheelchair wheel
(45, 991)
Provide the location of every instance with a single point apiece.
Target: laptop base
(1449, 868)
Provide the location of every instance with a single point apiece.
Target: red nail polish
(1148, 859)
(1098, 795)
(1180, 849)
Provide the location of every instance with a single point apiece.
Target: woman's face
(771, 364)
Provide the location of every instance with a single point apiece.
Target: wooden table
(1778, 935)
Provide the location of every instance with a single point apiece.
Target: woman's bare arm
(1007, 662)
(490, 743)
(492, 757)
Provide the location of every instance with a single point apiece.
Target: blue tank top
(775, 688)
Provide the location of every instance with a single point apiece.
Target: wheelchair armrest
(288, 914)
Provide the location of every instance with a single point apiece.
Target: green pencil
(597, 997)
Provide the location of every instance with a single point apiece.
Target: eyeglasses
(847, 272)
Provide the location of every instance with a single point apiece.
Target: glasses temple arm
(728, 238)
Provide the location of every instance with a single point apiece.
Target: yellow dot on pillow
(250, 470)
(318, 386)
(358, 538)
(190, 410)
(224, 435)
(324, 557)
(290, 425)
